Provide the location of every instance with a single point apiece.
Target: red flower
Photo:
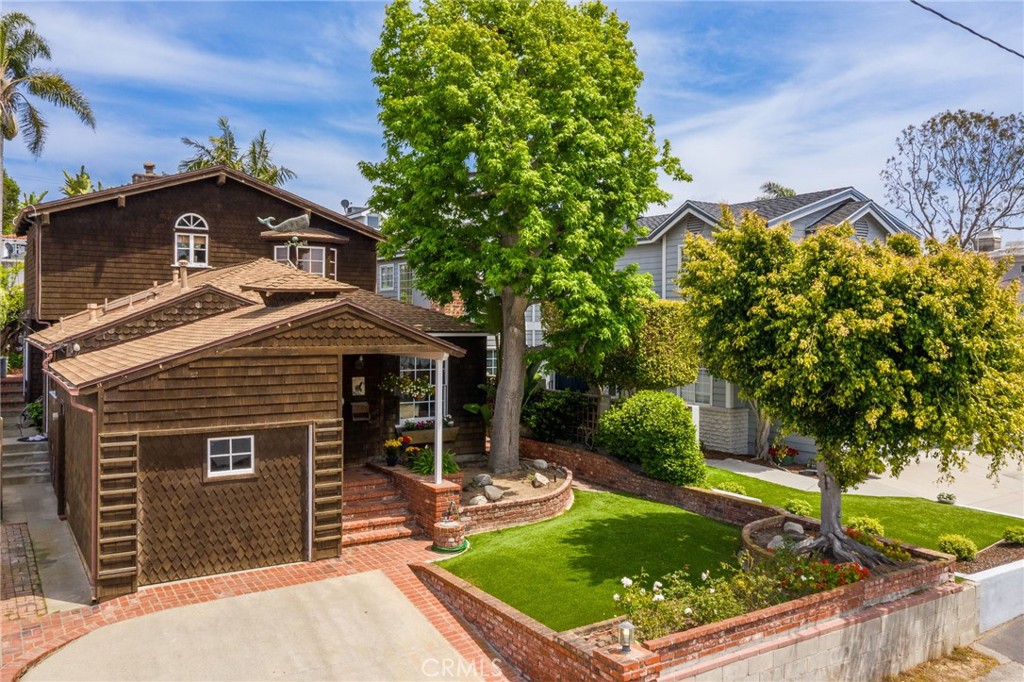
(406, 440)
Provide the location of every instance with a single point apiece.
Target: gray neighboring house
(991, 242)
(727, 423)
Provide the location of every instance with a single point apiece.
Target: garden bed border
(508, 513)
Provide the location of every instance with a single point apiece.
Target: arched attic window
(190, 241)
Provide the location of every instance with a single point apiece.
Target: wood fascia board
(216, 172)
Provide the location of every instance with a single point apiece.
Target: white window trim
(429, 400)
(287, 250)
(192, 249)
(191, 221)
(251, 469)
(310, 249)
(689, 392)
(389, 268)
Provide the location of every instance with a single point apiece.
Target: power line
(966, 28)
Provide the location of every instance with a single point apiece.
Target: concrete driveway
(354, 628)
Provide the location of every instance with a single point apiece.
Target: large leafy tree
(21, 47)
(223, 150)
(516, 162)
(881, 353)
(959, 173)
(12, 305)
(10, 206)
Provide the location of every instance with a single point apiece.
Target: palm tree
(223, 150)
(79, 183)
(774, 190)
(20, 46)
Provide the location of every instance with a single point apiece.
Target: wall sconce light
(359, 362)
(626, 630)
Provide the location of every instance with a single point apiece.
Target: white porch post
(439, 407)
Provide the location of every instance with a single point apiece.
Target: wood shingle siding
(97, 251)
(193, 527)
(215, 391)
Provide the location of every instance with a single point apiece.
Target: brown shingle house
(204, 425)
(95, 247)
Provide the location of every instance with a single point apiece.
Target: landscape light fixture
(626, 630)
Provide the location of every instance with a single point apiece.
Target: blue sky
(809, 94)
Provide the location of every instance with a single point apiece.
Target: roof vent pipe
(183, 273)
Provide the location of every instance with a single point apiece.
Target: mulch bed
(992, 556)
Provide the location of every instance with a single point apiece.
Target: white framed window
(191, 221)
(533, 312)
(311, 259)
(411, 407)
(282, 254)
(404, 283)
(492, 362)
(701, 391)
(191, 248)
(230, 456)
(387, 277)
(333, 262)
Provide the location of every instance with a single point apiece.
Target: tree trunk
(508, 401)
(762, 434)
(832, 540)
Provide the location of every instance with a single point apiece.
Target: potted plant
(783, 455)
(392, 448)
(421, 431)
(402, 385)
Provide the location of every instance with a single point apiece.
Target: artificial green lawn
(563, 572)
(913, 520)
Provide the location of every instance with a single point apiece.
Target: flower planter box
(426, 436)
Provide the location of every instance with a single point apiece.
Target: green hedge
(556, 415)
(656, 430)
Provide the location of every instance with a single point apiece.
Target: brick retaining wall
(609, 472)
(428, 501)
(494, 515)
(536, 651)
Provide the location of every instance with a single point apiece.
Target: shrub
(15, 361)
(798, 507)
(422, 462)
(1014, 534)
(35, 412)
(946, 498)
(891, 549)
(655, 428)
(557, 415)
(732, 487)
(867, 524)
(959, 546)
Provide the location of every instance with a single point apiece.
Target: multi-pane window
(492, 362)
(404, 283)
(227, 456)
(387, 277)
(416, 407)
(311, 259)
(282, 254)
(188, 245)
(700, 392)
(190, 248)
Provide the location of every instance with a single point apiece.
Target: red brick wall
(609, 472)
(536, 651)
(518, 512)
(426, 500)
(705, 640)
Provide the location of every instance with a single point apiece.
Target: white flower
(616, 596)
(711, 590)
(626, 582)
(803, 577)
(643, 591)
(657, 586)
(705, 575)
(687, 610)
(658, 597)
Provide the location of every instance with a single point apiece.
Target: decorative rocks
(792, 528)
(777, 543)
(540, 464)
(493, 493)
(540, 480)
(477, 500)
(481, 480)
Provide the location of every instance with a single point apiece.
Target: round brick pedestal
(450, 536)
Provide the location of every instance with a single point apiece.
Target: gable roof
(189, 341)
(243, 281)
(222, 173)
(782, 209)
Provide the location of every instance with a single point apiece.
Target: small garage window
(230, 456)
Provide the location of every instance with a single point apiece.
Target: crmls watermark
(460, 669)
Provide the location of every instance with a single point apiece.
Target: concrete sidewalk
(972, 487)
(359, 627)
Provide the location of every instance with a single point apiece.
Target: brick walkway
(30, 639)
(21, 593)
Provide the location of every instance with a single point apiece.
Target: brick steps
(373, 510)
